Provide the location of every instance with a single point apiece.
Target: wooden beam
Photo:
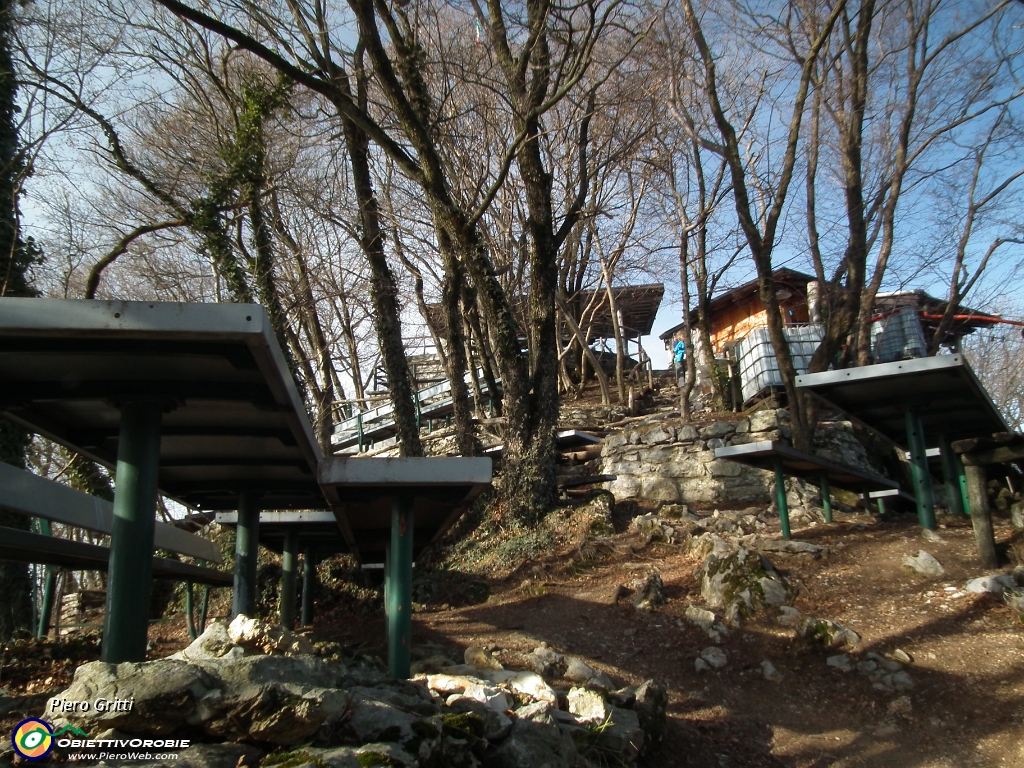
(981, 515)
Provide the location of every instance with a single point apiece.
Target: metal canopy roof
(362, 489)
(943, 389)
(234, 420)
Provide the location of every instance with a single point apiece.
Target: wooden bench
(783, 459)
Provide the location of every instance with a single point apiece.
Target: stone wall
(663, 460)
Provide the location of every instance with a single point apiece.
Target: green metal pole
(399, 602)
(359, 429)
(826, 498)
(49, 587)
(289, 569)
(247, 544)
(919, 469)
(780, 498)
(126, 621)
(950, 477)
(881, 505)
(961, 475)
(308, 585)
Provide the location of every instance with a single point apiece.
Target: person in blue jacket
(679, 356)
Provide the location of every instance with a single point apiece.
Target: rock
(900, 655)
(924, 564)
(902, 681)
(495, 725)
(931, 536)
(1018, 575)
(622, 736)
(650, 705)
(226, 755)
(388, 715)
(546, 662)
(901, 707)
(790, 547)
(479, 658)
(525, 683)
(1015, 599)
(165, 695)
(492, 697)
(448, 685)
(578, 671)
(714, 656)
(770, 672)
(214, 643)
(588, 706)
(265, 636)
(652, 528)
(1017, 515)
(993, 584)
(867, 667)
(374, 755)
(700, 665)
(774, 592)
(538, 712)
(650, 593)
(736, 578)
(827, 633)
(700, 617)
(533, 744)
(788, 616)
(842, 662)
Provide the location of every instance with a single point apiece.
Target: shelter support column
(399, 592)
(308, 585)
(126, 620)
(49, 587)
(981, 515)
(780, 498)
(919, 468)
(289, 571)
(247, 544)
(951, 472)
(826, 498)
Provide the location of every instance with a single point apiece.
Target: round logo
(32, 739)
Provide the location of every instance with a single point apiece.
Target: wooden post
(981, 515)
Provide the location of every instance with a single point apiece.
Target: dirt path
(966, 707)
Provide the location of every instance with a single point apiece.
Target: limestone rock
(994, 584)
(770, 672)
(214, 643)
(622, 736)
(652, 528)
(924, 564)
(165, 695)
(495, 725)
(788, 616)
(494, 698)
(931, 536)
(525, 683)
(827, 633)
(265, 636)
(388, 715)
(700, 617)
(739, 578)
(226, 755)
(650, 705)
(578, 671)
(842, 662)
(714, 657)
(588, 706)
(1017, 515)
(650, 593)
(533, 744)
(538, 712)
(790, 547)
(546, 662)
(481, 659)
(383, 755)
